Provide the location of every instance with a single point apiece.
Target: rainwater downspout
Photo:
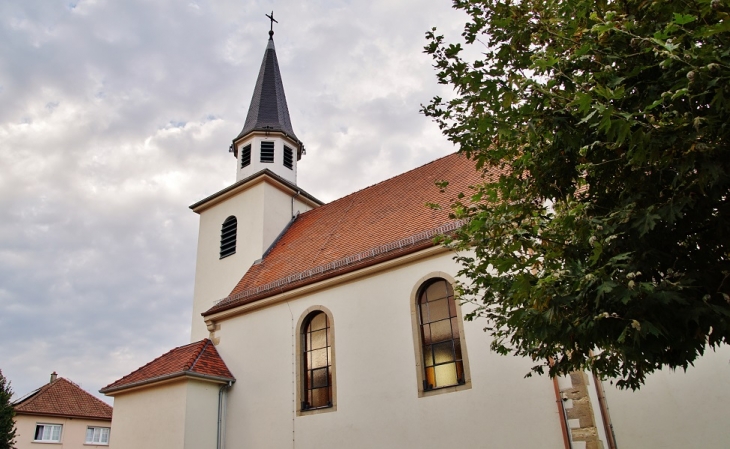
(562, 413)
(292, 203)
(221, 431)
(607, 424)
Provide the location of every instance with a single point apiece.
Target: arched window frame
(301, 374)
(418, 343)
(229, 235)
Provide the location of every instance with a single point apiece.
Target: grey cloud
(115, 116)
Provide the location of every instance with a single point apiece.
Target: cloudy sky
(115, 115)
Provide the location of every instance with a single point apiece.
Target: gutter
(179, 374)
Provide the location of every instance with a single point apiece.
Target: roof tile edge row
(339, 263)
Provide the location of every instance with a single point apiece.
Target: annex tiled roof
(62, 397)
(268, 110)
(199, 359)
(365, 223)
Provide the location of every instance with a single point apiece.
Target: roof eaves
(265, 172)
(223, 306)
(166, 377)
(64, 415)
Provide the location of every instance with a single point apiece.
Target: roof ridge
(153, 361)
(82, 390)
(200, 354)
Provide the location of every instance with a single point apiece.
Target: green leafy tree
(7, 425)
(604, 243)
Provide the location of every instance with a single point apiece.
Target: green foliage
(7, 425)
(604, 243)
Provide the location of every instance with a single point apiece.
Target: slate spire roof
(62, 397)
(199, 359)
(268, 110)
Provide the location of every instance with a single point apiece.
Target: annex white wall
(151, 418)
(73, 434)
(676, 409)
(377, 391)
(262, 211)
(181, 414)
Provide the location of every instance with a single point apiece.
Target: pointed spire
(268, 110)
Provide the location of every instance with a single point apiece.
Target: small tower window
(245, 156)
(267, 151)
(288, 158)
(228, 237)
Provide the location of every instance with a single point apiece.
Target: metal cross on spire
(271, 17)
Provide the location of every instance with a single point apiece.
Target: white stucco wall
(676, 409)
(262, 211)
(377, 393)
(73, 434)
(151, 418)
(182, 414)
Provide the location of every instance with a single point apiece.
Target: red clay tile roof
(199, 359)
(63, 398)
(360, 229)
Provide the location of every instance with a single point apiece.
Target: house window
(97, 435)
(245, 156)
(267, 151)
(288, 158)
(48, 433)
(228, 237)
(317, 366)
(439, 325)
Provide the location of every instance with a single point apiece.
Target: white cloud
(118, 115)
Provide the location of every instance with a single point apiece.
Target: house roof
(381, 222)
(199, 359)
(268, 110)
(62, 397)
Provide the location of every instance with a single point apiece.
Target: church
(335, 326)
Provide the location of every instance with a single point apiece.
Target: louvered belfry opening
(288, 158)
(246, 156)
(228, 236)
(267, 151)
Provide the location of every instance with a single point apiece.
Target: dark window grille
(267, 151)
(246, 156)
(228, 236)
(288, 158)
(317, 362)
(442, 359)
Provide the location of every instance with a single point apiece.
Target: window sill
(317, 411)
(45, 442)
(451, 389)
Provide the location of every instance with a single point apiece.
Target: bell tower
(239, 223)
(267, 140)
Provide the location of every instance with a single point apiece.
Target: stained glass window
(442, 359)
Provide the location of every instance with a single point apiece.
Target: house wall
(262, 211)
(73, 434)
(676, 409)
(378, 403)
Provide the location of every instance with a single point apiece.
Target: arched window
(439, 325)
(317, 367)
(228, 236)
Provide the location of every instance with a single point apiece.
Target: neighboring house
(340, 326)
(63, 414)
